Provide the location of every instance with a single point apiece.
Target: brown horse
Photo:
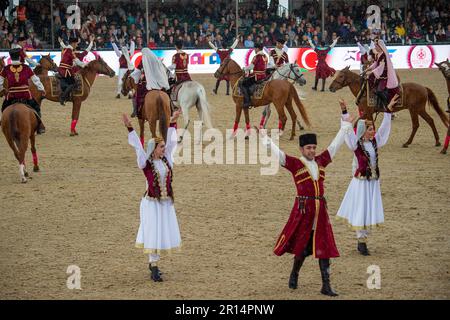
(279, 92)
(444, 66)
(88, 74)
(45, 64)
(414, 98)
(19, 124)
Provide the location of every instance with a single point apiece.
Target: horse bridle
(227, 61)
(291, 70)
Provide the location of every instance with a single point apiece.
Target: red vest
(17, 77)
(295, 236)
(180, 59)
(364, 170)
(65, 68)
(224, 53)
(279, 60)
(259, 62)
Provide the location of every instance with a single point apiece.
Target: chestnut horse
(88, 74)
(156, 107)
(414, 98)
(277, 91)
(444, 66)
(46, 63)
(19, 124)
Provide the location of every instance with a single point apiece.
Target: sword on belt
(302, 200)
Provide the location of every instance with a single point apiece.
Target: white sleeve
(383, 132)
(135, 75)
(171, 144)
(271, 63)
(63, 46)
(311, 44)
(37, 82)
(334, 43)
(351, 140)
(116, 50)
(172, 67)
(212, 45)
(337, 142)
(285, 48)
(361, 48)
(235, 43)
(135, 142)
(2, 80)
(79, 63)
(30, 62)
(275, 150)
(250, 67)
(132, 47)
(88, 49)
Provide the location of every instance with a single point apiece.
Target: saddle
(174, 89)
(58, 85)
(256, 90)
(377, 101)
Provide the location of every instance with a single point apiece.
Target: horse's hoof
(246, 138)
(291, 138)
(26, 174)
(36, 169)
(438, 144)
(301, 128)
(405, 145)
(24, 180)
(73, 133)
(443, 151)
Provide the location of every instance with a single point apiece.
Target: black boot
(323, 85)
(293, 278)
(217, 86)
(155, 273)
(315, 84)
(134, 113)
(247, 99)
(325, 272)
(64, 95)
(382, 100)
(228, 88)
(40, 128)
(362, 248)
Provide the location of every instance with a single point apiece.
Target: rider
(138, 77)
(123, 56)
(382, 73)
(80, 54)
(258, 68)
(180, 62)
(23, 54)
(65, 69)
(323, 70)
(17, 75)
(278, 55)
(223, 55)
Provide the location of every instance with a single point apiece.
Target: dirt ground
(83, 209)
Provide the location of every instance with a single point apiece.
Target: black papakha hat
(14, 54)
(307, 138)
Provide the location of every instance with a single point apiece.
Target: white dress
(158, 229)
(362, 206)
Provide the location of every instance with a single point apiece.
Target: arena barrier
(207, 61)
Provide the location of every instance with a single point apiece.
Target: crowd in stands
(198, 21)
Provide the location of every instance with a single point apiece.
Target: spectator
(249, 42)
(430, 37)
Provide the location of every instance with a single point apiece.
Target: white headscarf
(392, 81)
(151, 144)
(155, 73)
(126, 54)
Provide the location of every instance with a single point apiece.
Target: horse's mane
(88, 67)
(38, 70)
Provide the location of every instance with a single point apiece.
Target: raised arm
(383, 132)
(311, 44)
(132, 47)
(171, 144)
(334, 42)
(37, 82)
(273, 147)
(135, 75)
(116, 49)
(212, 46)
(235, 43)
(346, 128)
(135, 142)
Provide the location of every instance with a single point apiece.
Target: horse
(88, 74)
(279, 92)
(289, 71)
(191, 93)
(414, 98)
(444, 66)
(46, 63)
(19, 124)
(157, 107)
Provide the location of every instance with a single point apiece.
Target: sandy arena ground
(83, 209)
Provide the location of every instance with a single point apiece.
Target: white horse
(192, 93)
(288, 71)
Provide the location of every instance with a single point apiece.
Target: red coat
(17, 77)
(65, 68)
(295, 235)
(279, 60)
(80, 56)
(323, 70)
(259, 62)
(223, 54)
(180, 59)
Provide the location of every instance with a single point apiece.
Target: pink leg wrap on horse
(235, 127)
(261, 123)
(447, 141)
(280, 125)
(247, 126)
(142, 141)
(73, 125)
(35, 158)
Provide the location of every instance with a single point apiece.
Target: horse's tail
(204, 106)
(162, 117)
(300, 105)
(13, 138)
(435, 104)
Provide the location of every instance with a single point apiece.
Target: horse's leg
(186, 122)
(247, 123)
(141, 130)
(237, 118)
(264, 117)
(200, 115)
(415, 126)
(23, 145)
(446, 143)
(34, 153)
(281, 116)
(425, 116)
(293, 115)
(76, 106)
